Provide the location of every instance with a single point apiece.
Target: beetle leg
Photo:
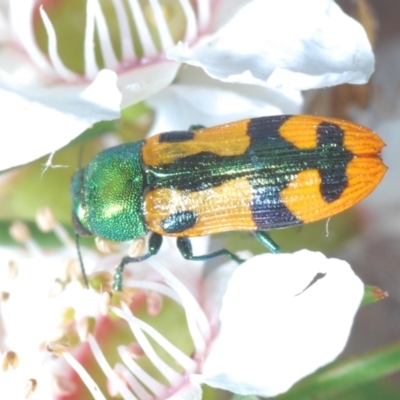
(266, 240)
(155, 242)
(195, 127)
(185, 247)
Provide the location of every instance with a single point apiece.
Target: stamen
(154, 302)
(45, 219)
(104, 246)
(4, 296)
(108, 371)
(84, 327)
(46, 222)
(135, 350)
(156, 387)
(63, 235)
(21, 21)
(155, 287)
(136, 249)
(149, 48)
(56, 61)
(203, 10)
(198, 325)
(109, 57)
(132, 382)
(101, 281)
(20, 232)
(191, 22)
(137, 326)
(163, 30)
(127, 48)
(9, 360)
(58, 349)
(63, 386)
(105, 303)
(30, 388)
(91, 68)
(86, 378)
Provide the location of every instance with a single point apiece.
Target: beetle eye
(78, 227)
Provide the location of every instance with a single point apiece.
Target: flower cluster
(255, 57)
(256, 328)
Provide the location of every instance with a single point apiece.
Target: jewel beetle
(252, 175)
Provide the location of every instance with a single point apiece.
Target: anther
(57, 348)
(103, 245)
(9, 360)
(20, 232)
(45, 219)
(4, 296)
(30, 388)
(105, 303)
(136, 248)
(112, 389)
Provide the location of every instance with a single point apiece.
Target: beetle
(251, 175)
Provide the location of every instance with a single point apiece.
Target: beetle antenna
(80, 156)
(78, 249)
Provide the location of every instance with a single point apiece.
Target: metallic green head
(107, 195)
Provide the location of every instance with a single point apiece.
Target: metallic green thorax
(108, 194)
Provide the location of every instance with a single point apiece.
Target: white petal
(20, 19)
(274, 331)
(38, 121)
(214, 289)
(191, 391)
(209, 102)
(285, 44)
(141, 82)
(224, 11)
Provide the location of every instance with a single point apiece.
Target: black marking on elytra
(179, 221)
(280, 172)
(270, 163)
(333, 174)
(268, 198)
(175, 136)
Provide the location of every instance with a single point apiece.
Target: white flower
(257, 42)
(259, 61)
(278, 325)
(253, 329)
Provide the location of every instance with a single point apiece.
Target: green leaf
(240, 397)
(372, 391)
(209, 393)
(340, 377)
